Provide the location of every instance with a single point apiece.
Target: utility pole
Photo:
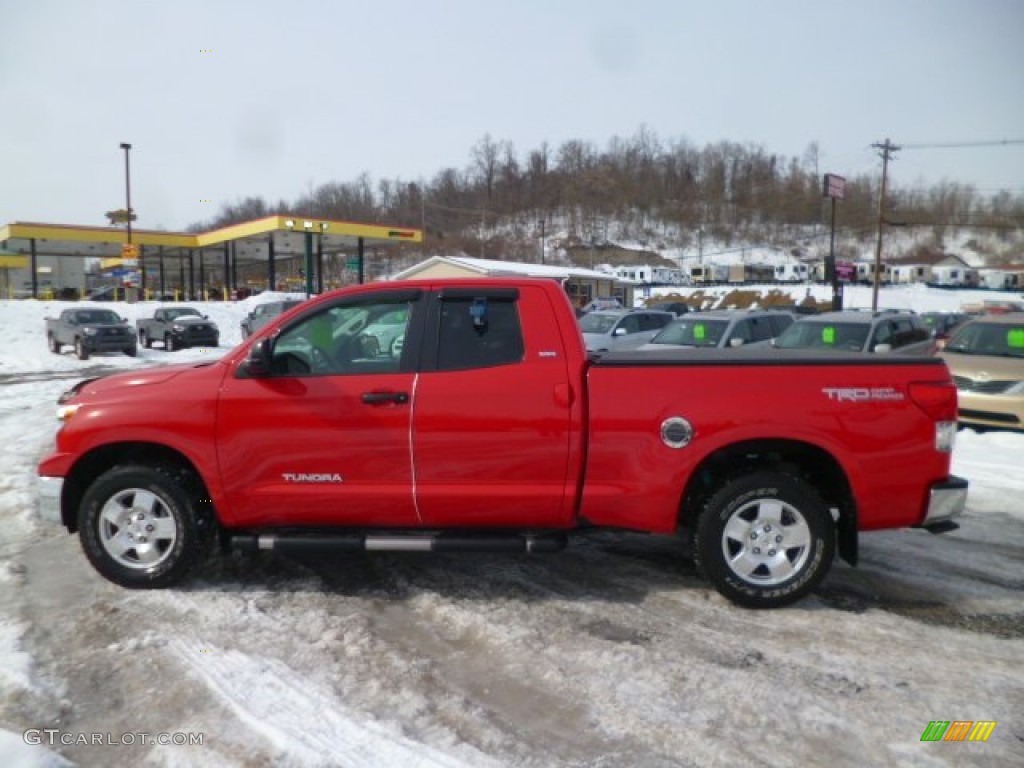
(542, 240)
(886, 148)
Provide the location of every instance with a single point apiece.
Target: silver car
(717, 329)
(264, 313)
(605, 330)
(861, 331)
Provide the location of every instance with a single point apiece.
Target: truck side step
(440, 542)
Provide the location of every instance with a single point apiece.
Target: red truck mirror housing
(257, 362)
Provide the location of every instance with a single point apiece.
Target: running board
(943, 526)
(442, 542)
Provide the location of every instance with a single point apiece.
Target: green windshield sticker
(698, 332)
(1015, 338)
(828, 335)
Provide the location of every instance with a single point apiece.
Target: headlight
(65, 412)
(178, 328)
(89, 331)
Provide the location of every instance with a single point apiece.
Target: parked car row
(985, 354)
(92, 331)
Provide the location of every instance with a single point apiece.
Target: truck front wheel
(765, 540)
(140, 527)
(80, 350)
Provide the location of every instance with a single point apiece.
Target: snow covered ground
(611, 654)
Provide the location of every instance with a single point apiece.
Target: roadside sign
(834, 186)
(129, 251)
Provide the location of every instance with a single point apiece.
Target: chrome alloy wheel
(766, 541)
(137, 529)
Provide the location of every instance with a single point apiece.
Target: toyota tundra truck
(484, 426)
(89, 332)
(177, 328)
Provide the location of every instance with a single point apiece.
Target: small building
(907, 274)
(581, 285)
(953, 271)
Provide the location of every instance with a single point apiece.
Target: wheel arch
(99, 460)
(808, 462)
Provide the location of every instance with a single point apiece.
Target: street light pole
(128, 187)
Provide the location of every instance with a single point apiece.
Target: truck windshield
(97, 316)
(174, 314)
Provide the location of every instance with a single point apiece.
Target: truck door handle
(380, 398)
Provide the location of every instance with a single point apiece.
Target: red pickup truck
(455, 415)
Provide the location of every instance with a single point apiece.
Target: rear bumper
(946, 501)
(48, 493)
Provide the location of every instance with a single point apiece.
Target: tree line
(665, 194)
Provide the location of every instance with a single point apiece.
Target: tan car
(986, 358)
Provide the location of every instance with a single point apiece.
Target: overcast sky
(222, 98)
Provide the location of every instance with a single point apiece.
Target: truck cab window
(464, 344)
(344, 340)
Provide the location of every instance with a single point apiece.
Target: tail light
(939, 401)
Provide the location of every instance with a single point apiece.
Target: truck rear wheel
(145, 340)
(54, 344)
(140, 526)
(765, 540)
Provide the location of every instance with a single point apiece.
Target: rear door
(495, 419)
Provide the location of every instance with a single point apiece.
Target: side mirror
(619, 332)
(736, 342)
(882, 348)
(257, 363)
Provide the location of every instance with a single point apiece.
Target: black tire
(765, 540)
(145, 340)
(141, 527)
(169, 344)
(131, 351)
(80, 351)
(54, 344)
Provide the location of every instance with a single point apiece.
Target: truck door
(494, 426)
(324, 438)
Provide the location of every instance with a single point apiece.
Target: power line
(964, 144)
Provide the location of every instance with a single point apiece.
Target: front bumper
(192, 338)
(946, 500)
(988, 410)
(116, 344)
(48, 493)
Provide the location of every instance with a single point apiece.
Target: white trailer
(793, 272)
(907, 274)
(953, 275)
